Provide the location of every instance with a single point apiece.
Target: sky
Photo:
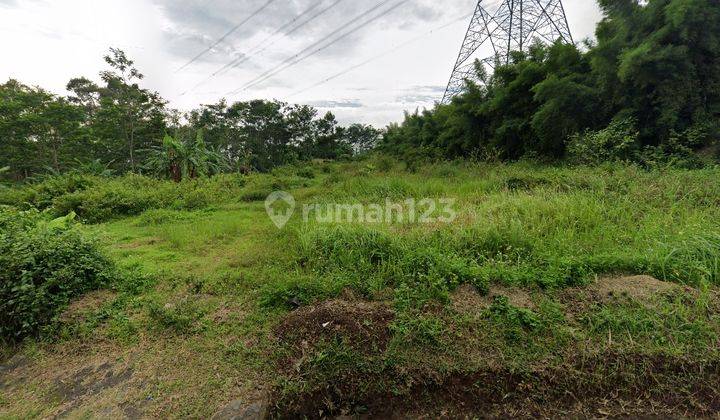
(400, 61)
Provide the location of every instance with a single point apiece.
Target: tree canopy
(118, 125)
(655, 64)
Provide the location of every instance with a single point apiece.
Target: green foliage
(185, 159)
(133, 194)
(43, 265)
(261, 135)
(95, 199)
(42, 194)
(38, 130)
(117, 126)
(226, 281)
(652, 65)
(617, 142)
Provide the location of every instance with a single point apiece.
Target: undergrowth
(209, 272)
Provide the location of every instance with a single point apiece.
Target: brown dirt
(363, 325)
(603, 385)
(467, 300)
(100, 379)
(635, 287)
(607, 290)
(79, 309)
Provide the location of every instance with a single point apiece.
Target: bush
(41, 195)
(97, 200)
(306, 173)
(678, 151)
(132, 195)
(43, 265)
(617, 142)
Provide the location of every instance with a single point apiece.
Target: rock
(240, 410)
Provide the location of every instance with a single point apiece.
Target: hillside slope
(554, 291)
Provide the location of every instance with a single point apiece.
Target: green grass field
(556, 291)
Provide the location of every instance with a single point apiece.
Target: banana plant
(178, 160)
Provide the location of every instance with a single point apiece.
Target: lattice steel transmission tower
(514, 26)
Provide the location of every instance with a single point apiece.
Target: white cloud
(48, 42)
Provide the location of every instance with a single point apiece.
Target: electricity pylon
(514, 26)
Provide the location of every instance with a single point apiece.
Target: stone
(240, 410)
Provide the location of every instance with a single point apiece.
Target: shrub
(41, 195)
(132, 195)
(618, 141)
(306, 173)
(43, 265)
(678, 151)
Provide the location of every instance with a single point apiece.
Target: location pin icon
(280, 207)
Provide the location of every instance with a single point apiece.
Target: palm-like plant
(178, 160)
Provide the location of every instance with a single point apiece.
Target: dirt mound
(81, 308)
(363, 325)
(604, 385)
(609, 290)
(467, 299)
(636, 287)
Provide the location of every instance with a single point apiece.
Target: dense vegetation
(521, 306)
(648, 90)
(96, 199)
(43, 265)
(345, 315)
(117, 125)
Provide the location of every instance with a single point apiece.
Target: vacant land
(556, 291)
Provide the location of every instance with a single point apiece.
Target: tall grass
(525, 225)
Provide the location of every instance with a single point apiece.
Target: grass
(209, 285)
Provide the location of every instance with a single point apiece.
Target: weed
(183, 317)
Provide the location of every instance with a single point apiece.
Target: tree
(656, 63)
(126, 111)
(38, 130)
(362, 138)
(261, 135)
(328, 139)
(183, 158)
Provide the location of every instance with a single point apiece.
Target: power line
(295, 29)
(300, 57)
(252, 51)
(378, 56)
(227, 34)
(315, 44)
(247, 56)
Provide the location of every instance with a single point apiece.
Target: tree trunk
(56, 144)
(132, 146)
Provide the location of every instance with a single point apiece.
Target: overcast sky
(406, 55)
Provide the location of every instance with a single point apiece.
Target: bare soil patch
(467, 299)
(636, 287)
(603, 385)
(79, 309)
(361, 324)
(608, 290)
